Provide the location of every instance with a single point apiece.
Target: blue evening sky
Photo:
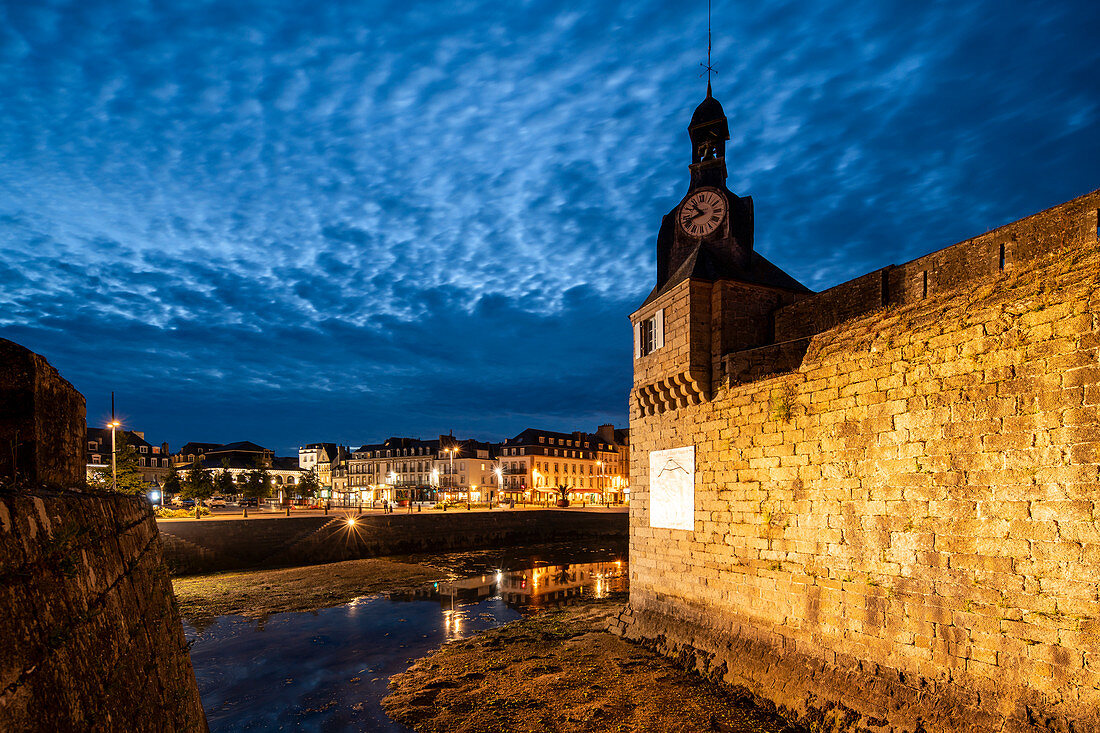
(298, 221)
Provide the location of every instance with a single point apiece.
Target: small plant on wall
(780, 403)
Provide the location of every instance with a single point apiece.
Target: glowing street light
(452, 450)
(114, 424)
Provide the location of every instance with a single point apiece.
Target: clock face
(702, 213)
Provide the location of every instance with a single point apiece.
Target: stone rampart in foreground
(202, 546)
(900, 532)
(91, 637)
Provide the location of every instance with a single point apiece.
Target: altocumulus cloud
(292, 221)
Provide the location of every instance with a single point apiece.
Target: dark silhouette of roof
(103, 435)
(706, 262)
(193, 447)
(241, 445)
(709, 110)
(531, 436)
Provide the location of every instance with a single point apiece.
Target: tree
(172, 480)
(223, 480)
(130, 478)
(257, 483)
(563, 494)
(309, 485)
(199, 483)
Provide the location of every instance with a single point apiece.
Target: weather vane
(708, 66)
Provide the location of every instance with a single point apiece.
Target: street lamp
(452, 450)
(599, 474)
(114, 467)
(500, 483)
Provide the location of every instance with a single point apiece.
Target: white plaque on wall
(672, 488)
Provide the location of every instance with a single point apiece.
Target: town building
(395, 470)
(535, 463)
(190, 451)
(320, 458)
(465, 470)
(592, 467)
(242, 457)
(339, 492)
(613, 463)
(153, 460)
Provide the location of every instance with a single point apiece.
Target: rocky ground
(560, 671)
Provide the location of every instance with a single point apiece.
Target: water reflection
(329, 670)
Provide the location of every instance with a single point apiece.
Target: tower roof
(709, 110)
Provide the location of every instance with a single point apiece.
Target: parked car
(214, 501)
(184, 503)
(245, 501)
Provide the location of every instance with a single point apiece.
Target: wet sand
(260, 593)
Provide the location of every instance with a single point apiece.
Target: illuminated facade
(536, 463)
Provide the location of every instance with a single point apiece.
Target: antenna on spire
(708, 66)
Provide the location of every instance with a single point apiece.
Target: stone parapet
(41, 423)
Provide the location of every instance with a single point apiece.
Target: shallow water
(328, 670)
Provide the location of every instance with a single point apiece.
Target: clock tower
(710, 217)
(714, 293)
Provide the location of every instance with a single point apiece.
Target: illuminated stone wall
(202, 546)
(900, 531)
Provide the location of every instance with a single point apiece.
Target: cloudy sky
(291, 221)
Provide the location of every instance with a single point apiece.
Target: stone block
(42, 423)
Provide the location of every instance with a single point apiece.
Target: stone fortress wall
(896, 512)
(91, 638)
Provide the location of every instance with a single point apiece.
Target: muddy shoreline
(556, 669)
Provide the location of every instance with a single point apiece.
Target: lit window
(649, 335)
